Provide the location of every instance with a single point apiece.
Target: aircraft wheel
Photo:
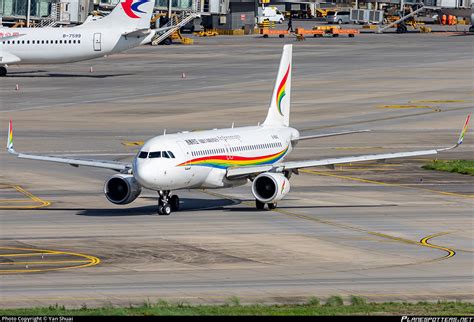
(164, 210)
(272, 205)
(3, 71)
(174, 202)
(259, 205)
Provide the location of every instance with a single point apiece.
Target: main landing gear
(3, 71)
(167, 203)
(260, 205)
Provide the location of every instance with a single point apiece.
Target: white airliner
(221, 158)
(127, 26)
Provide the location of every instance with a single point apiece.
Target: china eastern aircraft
(127, 26)
(221, 158)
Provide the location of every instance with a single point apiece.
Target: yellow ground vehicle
(321, 13)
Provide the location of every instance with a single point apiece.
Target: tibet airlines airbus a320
(221, 158)
(127, 26)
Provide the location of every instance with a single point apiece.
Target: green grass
(455, 166)
(332, 306)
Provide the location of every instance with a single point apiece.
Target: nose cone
(143, 172)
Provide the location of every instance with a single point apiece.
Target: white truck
(270, 14)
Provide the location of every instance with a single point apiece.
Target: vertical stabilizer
(279, 110)
(129, 14)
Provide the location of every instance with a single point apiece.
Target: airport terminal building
(221, 14)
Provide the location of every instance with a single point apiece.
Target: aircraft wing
(249, 171)
(7, 58)
(325, 135)
(105, 164)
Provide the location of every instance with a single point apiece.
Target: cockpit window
(143, 155)
(165, 154)
(156, 154)
(171, 154)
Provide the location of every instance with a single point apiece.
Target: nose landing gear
(167, 203)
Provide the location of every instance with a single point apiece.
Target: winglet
(461, 136)
(10, 139)
(464, 130)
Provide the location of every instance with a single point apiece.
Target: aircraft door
(187, 174)
(97, 41)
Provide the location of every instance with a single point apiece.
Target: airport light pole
(169, 10)
(28, 6)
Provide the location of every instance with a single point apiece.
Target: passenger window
(143, 155)
(165, 154)
(171, 154)
(153, 155)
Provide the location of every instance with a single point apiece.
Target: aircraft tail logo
(281, 90)
(279, 109)
(130, 7)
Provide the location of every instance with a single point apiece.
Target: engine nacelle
(270, 187)
(122, 189)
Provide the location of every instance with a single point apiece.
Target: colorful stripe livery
(464, 129)
(224, 162)
(10, 136)
(281, 90)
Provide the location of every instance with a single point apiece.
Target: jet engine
(270, 187)
(122, 189)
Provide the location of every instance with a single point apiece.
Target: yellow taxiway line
(406, 186)
(87, 262)
(423, 242)
(41, 203)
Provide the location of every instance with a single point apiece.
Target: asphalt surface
(384, 231)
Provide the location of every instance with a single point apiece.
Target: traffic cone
(183, 75)
(17, 87)
(92, 70)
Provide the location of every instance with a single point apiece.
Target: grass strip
(333, 306)
(454, 166)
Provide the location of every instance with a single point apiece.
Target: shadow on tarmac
(186, 205)
(30, 74)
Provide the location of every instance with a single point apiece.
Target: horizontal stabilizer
(137, 33)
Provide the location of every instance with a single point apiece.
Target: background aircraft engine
(270, 187)
(122, 189)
